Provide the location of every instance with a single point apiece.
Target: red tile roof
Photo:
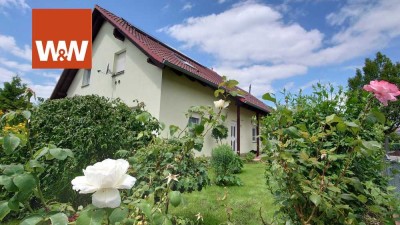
(163, 55)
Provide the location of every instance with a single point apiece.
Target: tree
(380, 68)
(12, 95)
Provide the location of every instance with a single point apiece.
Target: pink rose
(383, 91)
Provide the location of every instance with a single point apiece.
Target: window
(193, 120)
(86, 78)
(254, 134)
(119, 63)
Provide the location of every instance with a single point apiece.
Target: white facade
(167, 96)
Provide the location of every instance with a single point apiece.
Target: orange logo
(62, 38)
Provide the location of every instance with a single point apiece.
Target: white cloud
(188, 6)
(260, 76)
(288, 86)
(16, 65)
(221, 1)
(19, 4)
(5, 75)
(251, 42)
(8, 44)
(43, 91)
(53, 76)
(247, 33)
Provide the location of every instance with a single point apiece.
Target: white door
(233, 136)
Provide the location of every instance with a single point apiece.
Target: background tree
(11, 95)
(380, 68)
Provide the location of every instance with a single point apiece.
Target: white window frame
(193, 117)
(254, 134)
(119, 63)
(86, 77)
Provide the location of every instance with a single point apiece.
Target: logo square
(62, 38)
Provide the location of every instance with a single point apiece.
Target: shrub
(326, 161)
(93, 127)
(225, 163)
(250, 156)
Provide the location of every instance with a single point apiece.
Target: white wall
(140, 80)
(178, 94)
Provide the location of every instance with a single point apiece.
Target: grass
(241, 202)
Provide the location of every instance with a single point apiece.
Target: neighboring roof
(159, 54)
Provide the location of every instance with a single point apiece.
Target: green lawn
(243, 201)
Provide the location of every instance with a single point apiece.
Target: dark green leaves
(118, 215)
(60, 153)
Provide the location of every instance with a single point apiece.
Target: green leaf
(372, 145)
(10, 143)
(362, 198)
(59, 219)
(144, 117)
(4, 210)
(60, 153)
(173, 129)
(334, 189)
(231, 83)
(91, 217)
(175, 198)
(32, 220)
(350, 124)
(8, 184)
(25, 182)
(333, 118)
(198, 129)
(26, 114)
(35, 166)
(378, 115)
(118, 215)
(145, 208)
(268, 97)
(316, 199)
(218, 92)
(13, 169)
(41, 152)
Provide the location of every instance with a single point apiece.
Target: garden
(68, 161)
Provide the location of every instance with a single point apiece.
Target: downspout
(258, 134)
(238, 128)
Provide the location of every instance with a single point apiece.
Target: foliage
(12, 95)
(162, 157)
(380, 68)
(250, 156)
(225, 163)
(395, 146)
(94, 128)
(21, 170)
(326, 161)
(219, 132)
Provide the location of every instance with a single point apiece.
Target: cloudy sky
(271, 45)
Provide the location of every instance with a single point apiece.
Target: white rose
(104, 179)
(221, 104)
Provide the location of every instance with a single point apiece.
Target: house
(130, 64)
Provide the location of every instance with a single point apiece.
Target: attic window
(184, 61)
(119, 63)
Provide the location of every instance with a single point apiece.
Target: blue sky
(271, 45)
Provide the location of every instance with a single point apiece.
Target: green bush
(250, 156)
(94, 128)
(395, 146)
(226, 163)
(326, 161)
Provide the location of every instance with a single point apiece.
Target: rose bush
(326, 159)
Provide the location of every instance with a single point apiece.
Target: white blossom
(221, 104)
(104, 179)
